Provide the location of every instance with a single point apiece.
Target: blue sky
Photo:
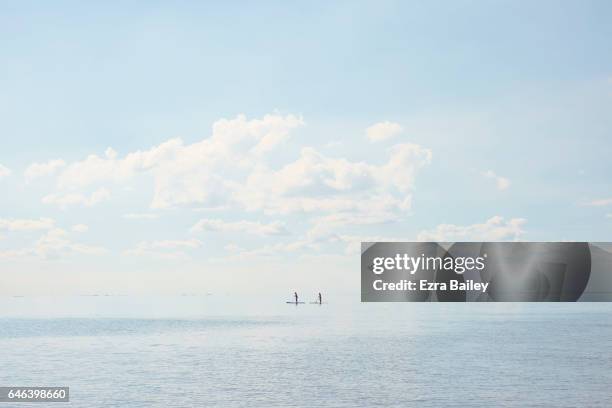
(360, 120)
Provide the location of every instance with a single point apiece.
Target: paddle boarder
(320, 299)
(296, 297)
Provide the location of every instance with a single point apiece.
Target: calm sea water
(335, 355)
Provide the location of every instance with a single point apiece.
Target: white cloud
(383, 131)
(71, 199)
(601, 202)
(56, 243)
(494, 229)
(53, 244)
(231, 169)
(189, 174)
(275, 250)
(502, 183)
(353, 242)
(313, 241)
(80, 228)
(4, 171)
(324, 231)
(95, 169)
(209, 172)
(36, 170)
(26, 224)
(174, 244)
(330, 225)
(236, 169)
(232, 139)
(143, 252)
(315, 182)
(140, 216)
(249, 227)
(166, 250)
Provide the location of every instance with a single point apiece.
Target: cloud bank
(383, 131)
(494, 229)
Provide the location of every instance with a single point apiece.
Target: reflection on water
(345, 354)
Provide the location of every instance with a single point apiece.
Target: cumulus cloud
(494, 229)
(231, 169)
(72, 199)
(237, 138)
(36, 170)
(4, 171)
(502, 183)
(249, 227)
(240, 167)
(315, 182)
(209, 172)
(110, 169)
(26, 224)
(383, 131)
(188, 173)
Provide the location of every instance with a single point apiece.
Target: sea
(218, 351)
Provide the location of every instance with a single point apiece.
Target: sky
(249, 147)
